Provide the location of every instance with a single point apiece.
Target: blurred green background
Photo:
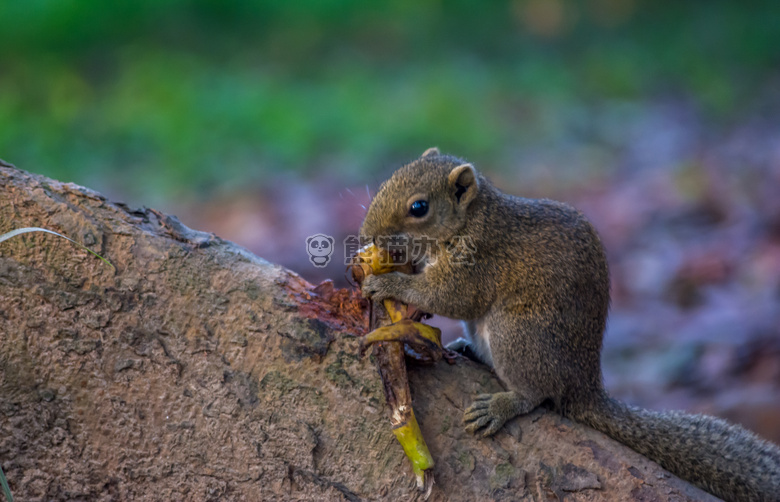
(157, 99)
(267, 122)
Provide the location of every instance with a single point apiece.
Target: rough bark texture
(197, 371)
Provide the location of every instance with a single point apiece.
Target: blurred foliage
(155, 95)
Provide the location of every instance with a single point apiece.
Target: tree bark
(198, 371)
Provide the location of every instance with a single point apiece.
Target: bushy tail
(723, 459)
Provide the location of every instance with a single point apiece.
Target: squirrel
(533, 296)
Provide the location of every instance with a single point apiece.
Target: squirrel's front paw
(378, 287)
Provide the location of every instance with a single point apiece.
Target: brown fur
(535, 298)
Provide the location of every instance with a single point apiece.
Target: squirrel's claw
(477, 423)
(372, 288)
(461, 348)
(481, 403)
(488, 413)
(482, 421)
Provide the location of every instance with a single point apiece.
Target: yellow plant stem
(411, 439)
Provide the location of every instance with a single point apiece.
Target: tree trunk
(198, 371)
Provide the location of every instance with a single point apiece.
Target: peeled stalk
(395, 331)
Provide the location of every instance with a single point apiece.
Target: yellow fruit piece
(406, 331)
(375, 260)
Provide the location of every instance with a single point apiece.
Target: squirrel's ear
(463, 180)
(431, 151)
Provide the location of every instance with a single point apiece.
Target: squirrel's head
(427, 198)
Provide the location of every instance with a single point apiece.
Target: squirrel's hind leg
(490, 411)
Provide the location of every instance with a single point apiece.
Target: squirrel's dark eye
(419, 208)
